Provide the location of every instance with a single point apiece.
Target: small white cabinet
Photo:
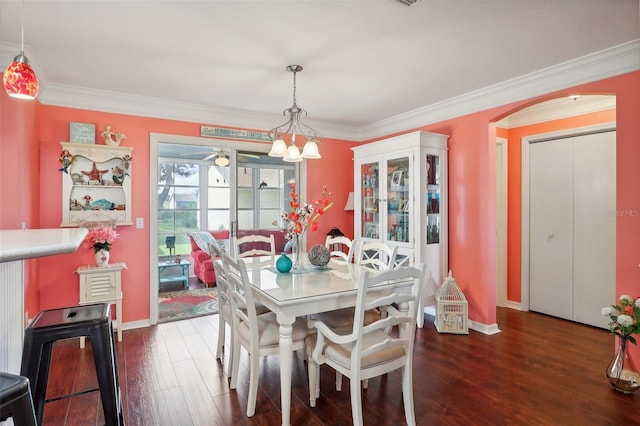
(96, 183)
(102, 284)
(401, 200)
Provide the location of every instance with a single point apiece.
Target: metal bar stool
(93, 321)
(15, 400)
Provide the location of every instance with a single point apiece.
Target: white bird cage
(452, 308)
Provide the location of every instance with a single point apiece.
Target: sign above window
(227, 133)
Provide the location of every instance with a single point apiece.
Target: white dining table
(300, 293)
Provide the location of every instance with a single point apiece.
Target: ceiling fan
(222, 156)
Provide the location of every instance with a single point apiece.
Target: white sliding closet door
(551, 227)
(572, 226)
(594, 247)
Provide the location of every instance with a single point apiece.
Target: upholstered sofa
(202, 263)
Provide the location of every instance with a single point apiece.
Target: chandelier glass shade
(295, 127)
(20, 81)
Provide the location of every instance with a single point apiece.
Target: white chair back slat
(376, 255)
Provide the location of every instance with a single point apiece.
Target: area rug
(177, 305)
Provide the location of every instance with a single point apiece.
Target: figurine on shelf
(374, 179)
(94, 174)
(77, 179)
(66, 159)
(117, 175)
(127, 163)
(75, 205)
(112, 138)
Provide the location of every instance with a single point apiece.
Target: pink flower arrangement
(304, 215)
(100, 238)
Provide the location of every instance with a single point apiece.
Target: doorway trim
(154, 140)
(526, 141)
(502, 147)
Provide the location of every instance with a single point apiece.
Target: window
(194, 194)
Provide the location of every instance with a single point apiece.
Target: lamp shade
(349, 205)
(310, 150)
(222, 161)
(278, 148)
(20, 80)
(292, 155)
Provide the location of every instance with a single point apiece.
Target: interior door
(594, 249)
(551, 227)
(572, 226)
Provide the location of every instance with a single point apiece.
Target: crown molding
(595, 66)
(606, 63)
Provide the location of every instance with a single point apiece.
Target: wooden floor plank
(538, 370)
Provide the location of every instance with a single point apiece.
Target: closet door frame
(526, 141)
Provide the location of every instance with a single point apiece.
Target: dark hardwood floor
(538, 371)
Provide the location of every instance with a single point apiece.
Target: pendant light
(19, 79)
(295, 126)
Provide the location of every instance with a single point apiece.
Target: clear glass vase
(622, 372)
(296, 251)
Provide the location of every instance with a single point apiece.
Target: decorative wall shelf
(96, 183)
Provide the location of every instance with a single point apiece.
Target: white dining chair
(253, 240)
(225, 317)
(363, 352)
(376, 255)
(339, 255)
(373, 259)
(259, 335)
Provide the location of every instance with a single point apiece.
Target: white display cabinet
(401, 200)
(96, 183)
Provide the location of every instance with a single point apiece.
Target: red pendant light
(19, 79)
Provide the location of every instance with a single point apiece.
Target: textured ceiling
(364, 60)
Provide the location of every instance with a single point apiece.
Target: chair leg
(407, 396)
(254, 372)
(235, 364)
(221, 332)
(356, 401)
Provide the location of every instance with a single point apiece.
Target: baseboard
(514, 305)
(132, 325)
(473, 325)
(484, 328)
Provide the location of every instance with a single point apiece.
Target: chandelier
(294, 126)
(19, 79)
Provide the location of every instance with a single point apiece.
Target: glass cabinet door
(398, 196)
(370, 218)
(433, 198)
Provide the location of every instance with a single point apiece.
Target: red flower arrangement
(304, 215)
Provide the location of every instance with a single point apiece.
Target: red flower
(304, 215)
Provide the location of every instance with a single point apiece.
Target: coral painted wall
(59, 287)
(19, 183)
(472, 221)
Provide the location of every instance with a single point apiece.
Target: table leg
(286, 362)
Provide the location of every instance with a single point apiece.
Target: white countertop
(17, 244)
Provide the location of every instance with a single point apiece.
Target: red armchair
(202, 263)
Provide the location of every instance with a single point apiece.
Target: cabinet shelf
(410, 199)
(96, 184)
